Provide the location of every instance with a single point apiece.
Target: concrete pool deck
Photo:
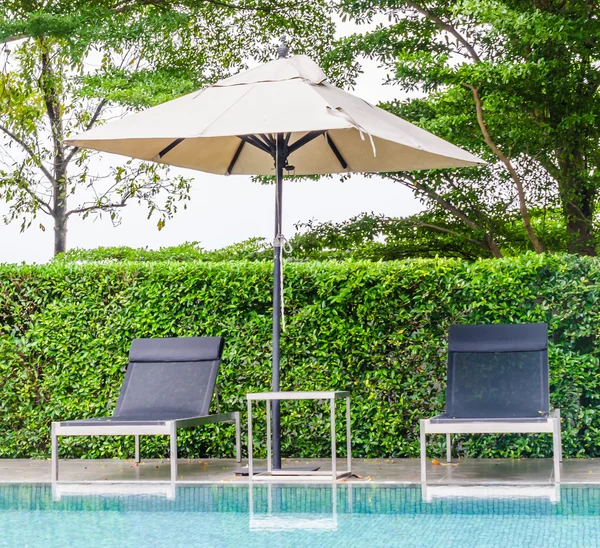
(384, 471)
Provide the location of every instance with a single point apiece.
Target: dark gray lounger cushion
(166, 379)
(497, 372)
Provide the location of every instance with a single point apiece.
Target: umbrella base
(288, 471)
(305, 475)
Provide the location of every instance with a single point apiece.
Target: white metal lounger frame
(550, 426)
(167, 428)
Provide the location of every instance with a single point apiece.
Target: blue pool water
(296, 516)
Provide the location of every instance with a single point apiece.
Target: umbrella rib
(304, 140)
(269, 142)
(336, 151)
(255, 141)
(170, 147)
(235, 157)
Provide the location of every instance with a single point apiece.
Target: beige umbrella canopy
(282, 115)
(204, 130)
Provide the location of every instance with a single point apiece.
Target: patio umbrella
(280, 116)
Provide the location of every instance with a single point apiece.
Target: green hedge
(376, 329)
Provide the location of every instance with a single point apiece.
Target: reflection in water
(431, 492)
(283, 514)
(225, 515)
(105, 489)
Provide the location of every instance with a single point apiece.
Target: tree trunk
(577, 194)
(60, 235)
(59, 209)
(537, 245)
(494, 249)
(59, 183)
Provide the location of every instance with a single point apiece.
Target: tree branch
(539, 248)
(473, 203)
(102, 207)
(29, 151)
(89, 125)
(447, 27)
(447, 231)
(495, 250)
(44, 206)
(23, 185)
(439, 199)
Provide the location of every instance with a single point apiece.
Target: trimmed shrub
(376, 329)
(252, 249)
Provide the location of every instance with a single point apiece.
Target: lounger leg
(448, 448)
(557, 413)
(238, 438)
(54, 455)
(173, 437)
(137, 448)
(333, 441)
(556, 448)
(423, 453)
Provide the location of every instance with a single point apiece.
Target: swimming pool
(283, 515)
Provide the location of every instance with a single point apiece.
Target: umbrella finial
(282, 50)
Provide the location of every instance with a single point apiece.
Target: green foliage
(253, 249)
(428, 234)
(376, 329)
(72, 64)
(534, 67)
(171, 41)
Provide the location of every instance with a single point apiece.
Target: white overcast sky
(225, 210)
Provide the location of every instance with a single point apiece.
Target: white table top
(297, 395)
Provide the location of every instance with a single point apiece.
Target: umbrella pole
(277, 251)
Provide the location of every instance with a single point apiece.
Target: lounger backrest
(497, 371)
(170, 378)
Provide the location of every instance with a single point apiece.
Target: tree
(517, 83)
(432, 233)
(71, 64)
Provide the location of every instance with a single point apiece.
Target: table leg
(137, 448)
(348, 437)
(269, 459)
(250, 457)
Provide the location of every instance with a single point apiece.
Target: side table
(269, 398)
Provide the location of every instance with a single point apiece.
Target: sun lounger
(497, 383)
(168, 385)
